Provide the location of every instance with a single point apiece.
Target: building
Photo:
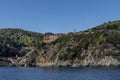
(49, 37)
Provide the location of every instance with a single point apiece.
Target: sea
(59, 73)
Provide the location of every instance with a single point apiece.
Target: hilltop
(98, 46)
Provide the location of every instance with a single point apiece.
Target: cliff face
(99, 46)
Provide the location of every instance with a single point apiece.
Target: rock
(4, 63)
(63, 63)
(27, 60)
(108, 61)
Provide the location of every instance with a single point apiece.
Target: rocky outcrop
(27, 60)
(98, 58)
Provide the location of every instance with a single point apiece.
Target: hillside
(111, 25)
(13, 40)
(99, 46)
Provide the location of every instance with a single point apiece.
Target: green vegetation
(12, 40)
(67, 47)
(113, 38)
(62, 40)
(96, 38)
(115, 25)
(106, 33)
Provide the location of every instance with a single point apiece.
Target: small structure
(49, 37)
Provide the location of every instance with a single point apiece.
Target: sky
(57, 16)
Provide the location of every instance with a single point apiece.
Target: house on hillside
(49, 37)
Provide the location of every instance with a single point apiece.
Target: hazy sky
(57, 15)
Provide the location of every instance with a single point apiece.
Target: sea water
(61, 73)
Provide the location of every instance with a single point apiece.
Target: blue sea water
(62, 73)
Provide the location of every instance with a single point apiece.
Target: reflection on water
(52, 73)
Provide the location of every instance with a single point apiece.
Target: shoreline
(65, 67)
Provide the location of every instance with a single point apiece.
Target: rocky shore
(30, 59)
